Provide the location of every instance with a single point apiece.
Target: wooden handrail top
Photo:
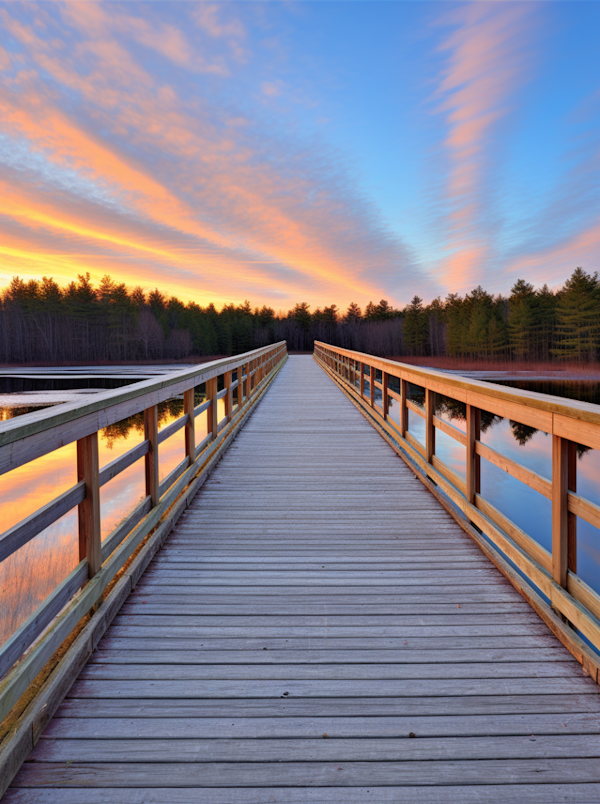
(460, 388)
(68, 422)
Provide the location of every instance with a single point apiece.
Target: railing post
(228, 395)
(571, 517)
(151, 458)
(240, 387)
(473, 473)
(403, 408)
(190, 427)
(213, 411)
(384, 393)
(362, 379)
(560, 529)
(372, 386)
(88, 470)
(429, 425)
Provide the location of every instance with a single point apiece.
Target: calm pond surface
(30, 575)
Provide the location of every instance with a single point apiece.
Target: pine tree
(578, 317)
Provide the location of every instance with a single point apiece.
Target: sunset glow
(320, 152)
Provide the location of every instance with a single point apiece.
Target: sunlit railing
(373, 382)
(36, 434)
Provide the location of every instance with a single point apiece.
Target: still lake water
(29, 575)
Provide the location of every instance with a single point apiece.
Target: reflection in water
(31, 574)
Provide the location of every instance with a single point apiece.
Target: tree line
(40, 321)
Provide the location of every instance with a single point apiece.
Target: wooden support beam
(90, 539)
(473, 459)
(571, 517)
(213, 411)
(560, 529)
(372, 386)
(384, 393)
(403, 408)
(151, 458)
(228, 395)
(429, 426)
(361, 389)
(190, 427)
(240, 387)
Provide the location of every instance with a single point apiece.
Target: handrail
(41, 432)
(569, 422)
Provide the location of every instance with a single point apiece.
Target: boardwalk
(319, 629)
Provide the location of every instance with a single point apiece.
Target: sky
(279, 152)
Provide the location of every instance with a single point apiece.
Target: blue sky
(318, 151)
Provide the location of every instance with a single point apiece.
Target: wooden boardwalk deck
(319, 629)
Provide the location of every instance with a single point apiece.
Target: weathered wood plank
(308, 774)
(484, 705)
(164, 728)
(570, 793)
(331, 749)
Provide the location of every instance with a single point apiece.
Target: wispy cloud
(188, 182)
(486, 61)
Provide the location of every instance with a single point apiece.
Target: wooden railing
(372, 382)
(36, 434)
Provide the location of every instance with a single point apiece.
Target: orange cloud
(188, 188)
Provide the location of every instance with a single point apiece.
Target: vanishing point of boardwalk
(317, 628)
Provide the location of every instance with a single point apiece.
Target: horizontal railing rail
(36, 434)
(367, 380)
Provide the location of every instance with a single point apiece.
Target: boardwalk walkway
(319, 629)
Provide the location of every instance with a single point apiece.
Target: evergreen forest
(41, 321)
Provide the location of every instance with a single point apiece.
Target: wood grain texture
(313, 608)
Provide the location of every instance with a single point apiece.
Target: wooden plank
(473, 484)
(414, 443)
(165, 728)
(174, 427)
(568, 793)
(429, 426)
(134, 653)
(443, 706)
(333, 749)
(309, 774)
(121, 463)
(24, 531)
(347, 671)
(173, 476)
(90, 535)
(114, 539)
(560, 490)
(415, 408)
(455, 479)
(531, 547)
(33, 626)
(151, 459)
(573, 428)
(450, 430)
(516, 470)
